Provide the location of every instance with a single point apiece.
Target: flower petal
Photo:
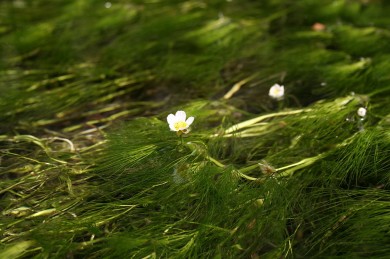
(180, 116)
(190, 120)
(172, 127)
(171, 119)
(186, 131)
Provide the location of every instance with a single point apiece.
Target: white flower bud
(276, 91)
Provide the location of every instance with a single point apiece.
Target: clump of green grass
(89, 167)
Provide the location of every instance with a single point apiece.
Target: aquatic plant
(179, 123)
(276, 91)
(90, 168)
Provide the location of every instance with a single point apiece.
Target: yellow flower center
(276, 91)
(180, 125)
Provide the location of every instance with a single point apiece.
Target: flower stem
(280, 105)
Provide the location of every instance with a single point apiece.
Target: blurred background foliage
(89, 168)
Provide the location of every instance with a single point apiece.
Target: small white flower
(362, 112)
(276, 91)
(178, 122)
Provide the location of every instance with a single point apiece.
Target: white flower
(276, 91)
(362, 112)
(178, 122)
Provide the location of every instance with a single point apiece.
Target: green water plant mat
(287, 154)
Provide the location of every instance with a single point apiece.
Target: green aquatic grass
(89, 168)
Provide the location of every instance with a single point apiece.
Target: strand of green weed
(290, 169)
(193, 146)
(250, 122)
(239, 172)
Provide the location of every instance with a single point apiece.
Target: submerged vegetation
(90, 167)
